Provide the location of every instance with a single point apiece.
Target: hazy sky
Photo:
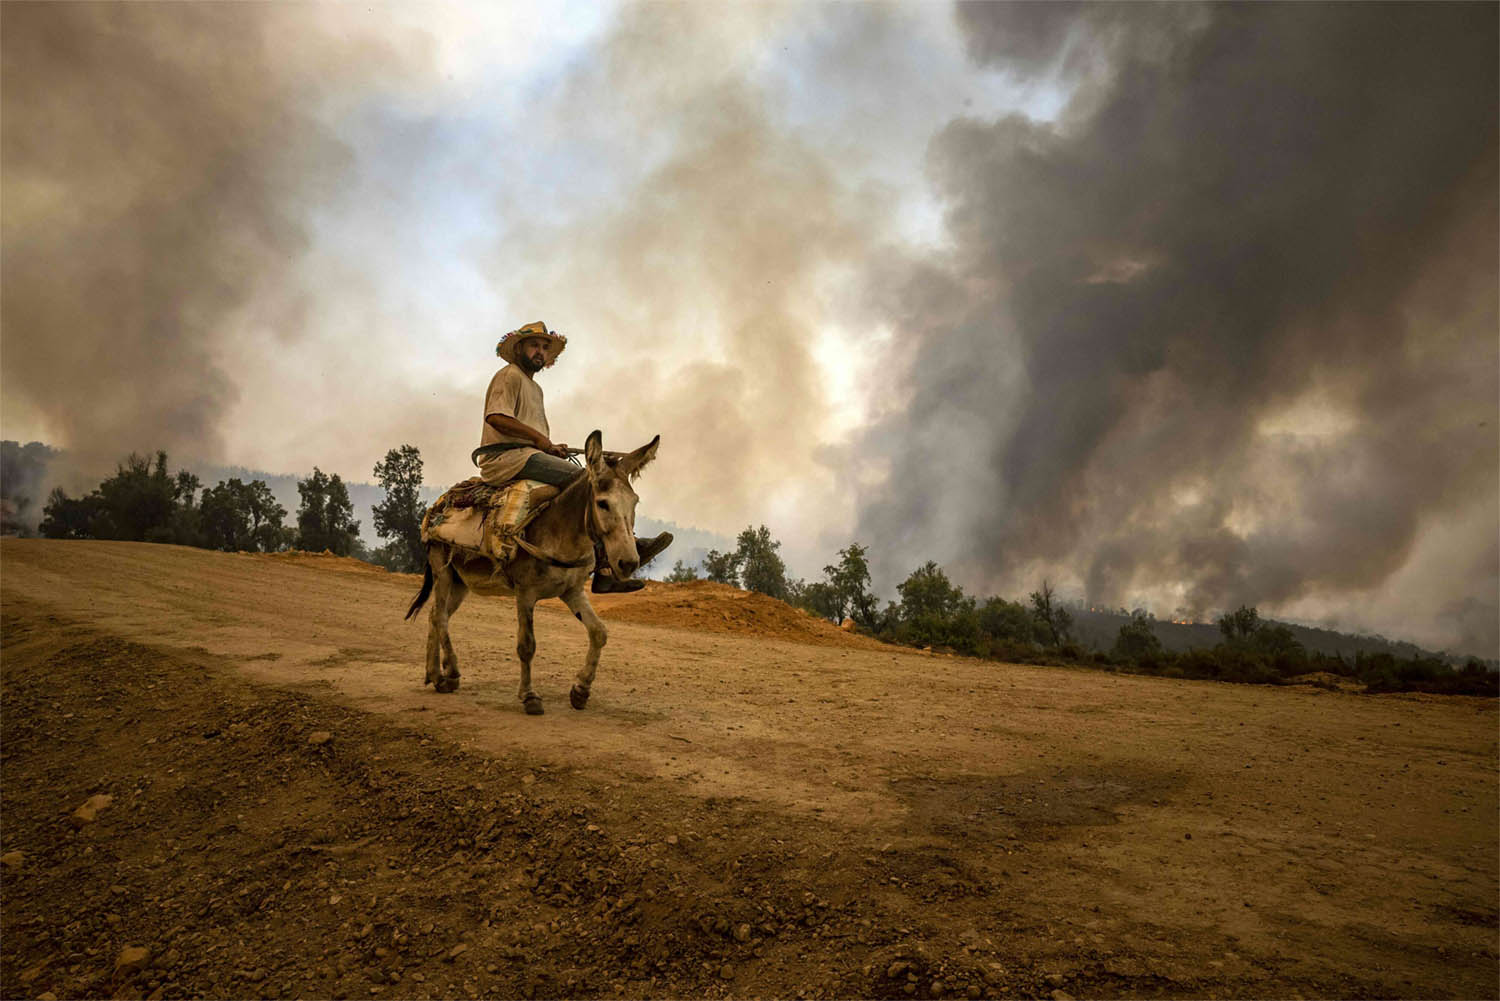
(1179, 306)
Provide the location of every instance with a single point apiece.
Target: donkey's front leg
(525, 650)
(584, 612)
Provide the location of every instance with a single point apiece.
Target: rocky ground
(215, 784)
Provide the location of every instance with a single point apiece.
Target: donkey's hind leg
(457, 592)
(442, 673)
(578, 603)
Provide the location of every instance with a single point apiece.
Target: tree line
(145, 502)
(934, 613)
(1256, 651)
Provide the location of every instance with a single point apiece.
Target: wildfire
(1175, 622)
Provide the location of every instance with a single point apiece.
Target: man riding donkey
(532, 525)
(516, 442)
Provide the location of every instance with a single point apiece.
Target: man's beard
(531, 367)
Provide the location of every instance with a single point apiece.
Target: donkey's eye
(604, 505)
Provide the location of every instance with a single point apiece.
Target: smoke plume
(697, 292)
(1226, 331)
(158, 162)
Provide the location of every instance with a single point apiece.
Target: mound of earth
(1326, 680)
(712, 607)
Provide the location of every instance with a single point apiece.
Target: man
(516, 442)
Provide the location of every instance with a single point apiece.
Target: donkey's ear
(632, 464)
(593, 453)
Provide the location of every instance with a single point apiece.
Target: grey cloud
(1248, 205)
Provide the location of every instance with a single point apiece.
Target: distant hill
(1099, 629)
(689, 545)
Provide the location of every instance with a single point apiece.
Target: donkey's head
(613, 513)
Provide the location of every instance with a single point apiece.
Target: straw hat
(506, 349)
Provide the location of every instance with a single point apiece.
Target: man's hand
(548, 446)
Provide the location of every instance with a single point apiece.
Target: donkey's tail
(423, 594)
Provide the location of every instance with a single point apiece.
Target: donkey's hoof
(445, 685)
(579, 697)
(533, 704)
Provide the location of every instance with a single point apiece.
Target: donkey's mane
(572, 497)
(578, 482)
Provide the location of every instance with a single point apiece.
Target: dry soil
(753, 804)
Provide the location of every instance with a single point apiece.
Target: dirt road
(753, 804)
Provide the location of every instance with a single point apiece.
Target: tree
(722, 568)
(682, 573)
(224, 518)
(1055, 619)
(936, 611)
(140, 503)
(393, 555)
(1280, 648)
(850, 583)
(761, 569)
(399, 516)
(927, 591)
(66, 517)
(326, 518)
(186, 528)
(1137, 640)
(1008, 621)
(821, 598)
(1239, 625)
(241, 517)
(136, 504)
(186, 486)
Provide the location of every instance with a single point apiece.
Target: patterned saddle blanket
(484, 519)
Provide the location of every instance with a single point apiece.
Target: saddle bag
(485, 520)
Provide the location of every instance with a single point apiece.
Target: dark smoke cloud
(1228, 329)
(158, 162)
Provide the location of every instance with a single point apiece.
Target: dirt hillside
(704, 606)
(222, 777)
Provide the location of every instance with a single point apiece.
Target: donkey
(554, 559)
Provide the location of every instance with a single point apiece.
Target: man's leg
(550, 469)
(604, 579)
(649, 549)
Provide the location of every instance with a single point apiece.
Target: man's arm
(509, 426)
